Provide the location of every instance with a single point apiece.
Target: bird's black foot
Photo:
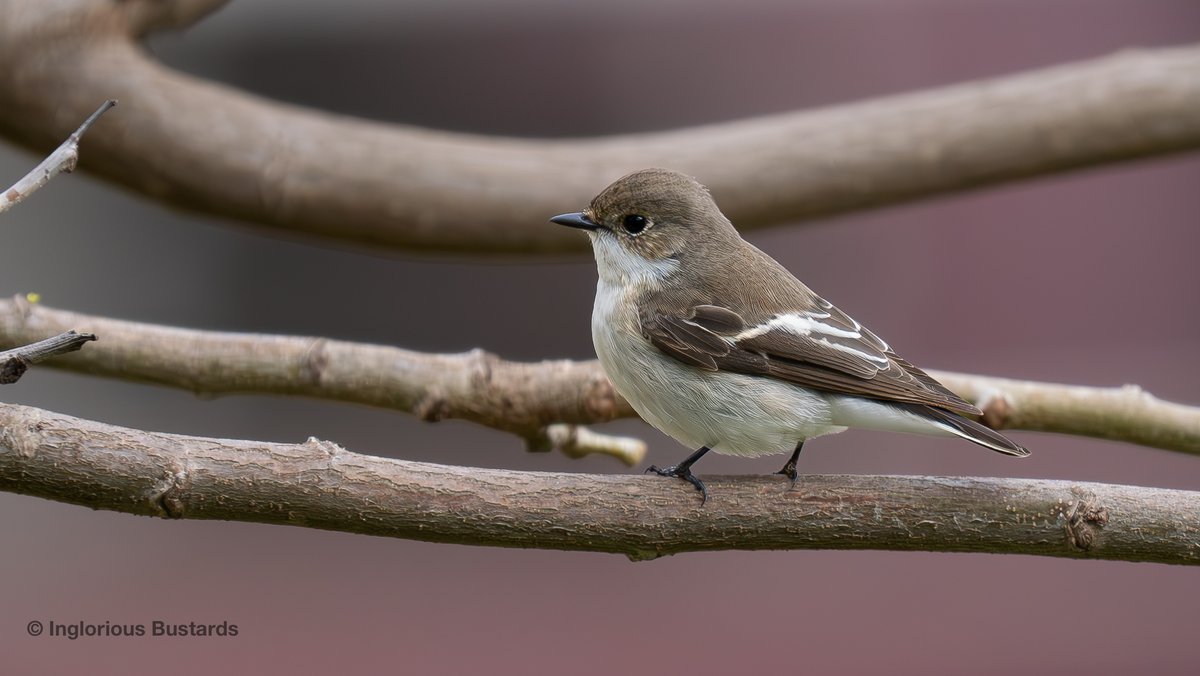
(789, 470)
(682, 471)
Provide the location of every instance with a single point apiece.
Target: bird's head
(644, 224)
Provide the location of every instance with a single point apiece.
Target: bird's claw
(684, 473)
(789, 471)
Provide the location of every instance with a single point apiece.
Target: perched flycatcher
(720, 347)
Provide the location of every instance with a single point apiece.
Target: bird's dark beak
(575, 220)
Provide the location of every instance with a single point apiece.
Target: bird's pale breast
(727, 412)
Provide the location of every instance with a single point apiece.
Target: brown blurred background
(1089, 278)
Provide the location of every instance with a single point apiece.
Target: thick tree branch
(528, 399)
(319, 485)
(211, 148)
(62, 159)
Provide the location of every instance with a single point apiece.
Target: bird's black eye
(634, 224)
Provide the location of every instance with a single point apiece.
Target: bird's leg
(684, 471)
(789, 470)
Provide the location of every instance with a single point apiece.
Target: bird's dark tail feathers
(968, 429)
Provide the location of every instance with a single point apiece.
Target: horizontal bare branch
(1127, 413)
(14, 362)
(527, 399)
(541, 402)
(211, 148)
(320, 485)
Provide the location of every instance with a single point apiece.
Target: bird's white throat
(620, 267)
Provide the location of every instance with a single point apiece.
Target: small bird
(718, 346)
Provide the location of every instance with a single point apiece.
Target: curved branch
(211, 148)
(319, 485)
(528, 399)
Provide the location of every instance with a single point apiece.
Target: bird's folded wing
(821, 348)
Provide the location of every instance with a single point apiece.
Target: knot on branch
(1082, 520)
(170, 496)
(316, 360)
(23, 439)
(432, 407)
(499, 393)
(480, 364)
(556, 437)
(330, 449)
(1137, 396)
(996, 410)
(602, 400)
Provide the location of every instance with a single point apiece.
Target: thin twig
(527, 399)
(62, 159)
(400, 186)
(14, 362)
(320, 485)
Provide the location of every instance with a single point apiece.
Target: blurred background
(1088, 278)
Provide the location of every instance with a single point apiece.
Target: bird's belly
(727, 412)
